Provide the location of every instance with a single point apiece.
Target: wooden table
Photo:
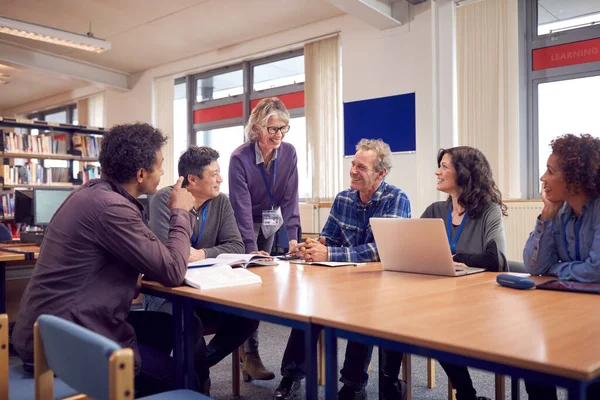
(286, 296)
(13, 252)
(540, 335)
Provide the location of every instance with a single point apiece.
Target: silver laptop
(416, 245)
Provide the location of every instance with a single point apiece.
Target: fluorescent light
(51, 35)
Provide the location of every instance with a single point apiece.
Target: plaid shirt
(347, 230)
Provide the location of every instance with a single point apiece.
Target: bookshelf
(55, 141)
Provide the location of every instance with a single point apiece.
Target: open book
(235, 260)
(220, 276)
(326, 263)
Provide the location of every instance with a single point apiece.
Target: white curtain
(323, 109)
(164, 95)
(487, 86)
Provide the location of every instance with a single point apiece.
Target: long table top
(8, 256)
(545, 331)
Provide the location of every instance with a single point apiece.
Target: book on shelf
(89, 172)
(34, 144)
(7, 202)
(87, 145)
(220, 276)
(235, 260)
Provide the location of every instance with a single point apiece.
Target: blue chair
(88, 362)
(15, 382)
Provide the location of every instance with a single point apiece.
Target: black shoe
(392, 389)
(287, 389)
(204, 387)
(352, 393)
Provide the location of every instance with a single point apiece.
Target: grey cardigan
(221, 234)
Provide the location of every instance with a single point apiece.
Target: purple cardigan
(248, 193)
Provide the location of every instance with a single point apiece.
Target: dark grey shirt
(482, 243)
(95, 247)
(220, 235)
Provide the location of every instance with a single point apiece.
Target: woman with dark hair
(566, 239)
(473, 217)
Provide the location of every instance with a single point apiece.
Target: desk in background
(13, 255)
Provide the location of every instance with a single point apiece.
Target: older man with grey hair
(347, 236)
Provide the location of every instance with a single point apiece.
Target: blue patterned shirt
(347, 230)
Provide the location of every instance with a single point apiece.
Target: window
(561, 71)
(222, 107)
(225, 141)
(278, 73)
(220, 86)
(574, 98)
(559, 16)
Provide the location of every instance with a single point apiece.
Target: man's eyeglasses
(273, 129)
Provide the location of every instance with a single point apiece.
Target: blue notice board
(391, 119)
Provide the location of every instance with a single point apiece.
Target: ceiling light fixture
(51, 35)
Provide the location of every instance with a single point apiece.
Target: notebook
(220, 276)
(235, 260)
(326, 263)
(416, 245)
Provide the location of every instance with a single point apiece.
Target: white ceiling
(147, 33)
(558, 10)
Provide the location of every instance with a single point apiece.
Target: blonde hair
(265, 109)
(383, 151)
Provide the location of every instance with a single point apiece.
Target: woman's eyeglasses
(273, 129)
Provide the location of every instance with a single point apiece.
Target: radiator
(518, 225)
(309, 218)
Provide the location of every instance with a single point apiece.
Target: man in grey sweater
(215, 232)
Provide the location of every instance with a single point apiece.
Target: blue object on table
(515, 282)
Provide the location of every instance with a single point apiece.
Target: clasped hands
(311, 250)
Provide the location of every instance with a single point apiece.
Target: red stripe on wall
(291, 100)
(566, 54)
(218, 113)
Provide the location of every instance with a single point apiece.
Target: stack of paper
(220, 276)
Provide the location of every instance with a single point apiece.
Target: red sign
(291, 100)
(566, 54)
(218, 113)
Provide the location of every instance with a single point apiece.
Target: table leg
(331, 366)
(311, 336)
(177, 344)
(189, 347)
(515, 388)
(2, 287)
(577, 391)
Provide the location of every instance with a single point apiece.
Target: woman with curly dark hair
(473, 216)
(566, 239)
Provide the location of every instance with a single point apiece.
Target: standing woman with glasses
(263, 189)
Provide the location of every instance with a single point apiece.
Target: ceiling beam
(62, 66)
(381, 14)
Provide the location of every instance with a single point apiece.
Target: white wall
(416, 57)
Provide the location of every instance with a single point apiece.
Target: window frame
(245, 98)
(528, 27)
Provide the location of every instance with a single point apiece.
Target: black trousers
(230, 332)
(539, 391)
(354, 373)
(458, 375)
(154, 331)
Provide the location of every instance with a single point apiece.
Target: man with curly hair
(565, 241)
(97, 245)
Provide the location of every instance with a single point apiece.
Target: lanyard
(266, 180)
(449, 230)
(193, 241)
(564, 232)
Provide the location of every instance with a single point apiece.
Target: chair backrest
(84, 360)
(3, 356)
